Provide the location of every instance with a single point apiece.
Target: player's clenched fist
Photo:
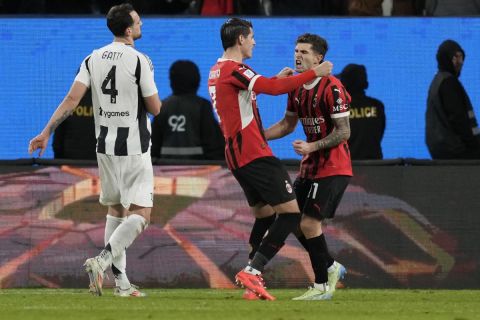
(323, 69)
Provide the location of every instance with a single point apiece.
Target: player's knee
(141, 211)
(290, 206)
(310, 226)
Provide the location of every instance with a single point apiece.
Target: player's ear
(128, 31)
(319, 58)
(241, 39)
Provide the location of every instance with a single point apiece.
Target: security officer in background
(186, 127)
(367, 115)
(75, 137)
(451, 128)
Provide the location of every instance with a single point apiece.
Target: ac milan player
(233, 86)
(322, 106)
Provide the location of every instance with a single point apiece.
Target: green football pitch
(62, 304)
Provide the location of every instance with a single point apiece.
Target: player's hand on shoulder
(285, 72)
(302, 147)
(39, 142)
(323, 69)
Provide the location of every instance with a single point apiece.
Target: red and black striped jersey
(230, 86)
(315, 105)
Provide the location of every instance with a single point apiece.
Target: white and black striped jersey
(119, 77)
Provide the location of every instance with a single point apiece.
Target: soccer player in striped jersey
(123, 91)
(233, 87)
(322, 106)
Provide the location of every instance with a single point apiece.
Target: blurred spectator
(442, 8)
(46, 6)
(252, 7)
(149, 6)
(22, 6)
(304, 7)
(451, 127)
(367, 115)
(93, 6)
(408, 7)
(75, 138)
(217, 7)
(186, 127)
(365, 8)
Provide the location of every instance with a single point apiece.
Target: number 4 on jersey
(112, 91)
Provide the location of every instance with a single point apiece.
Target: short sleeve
(147, 82)
(292, 105)
(338, 101)
(244, 77)
(83, 74)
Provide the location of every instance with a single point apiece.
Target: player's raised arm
(277, 86)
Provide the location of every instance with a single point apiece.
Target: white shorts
(126, 180)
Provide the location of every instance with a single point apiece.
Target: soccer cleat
(250, 295)
(133, 291)
(95, 274)
(337, 274)
(315, 294)
(253, 283)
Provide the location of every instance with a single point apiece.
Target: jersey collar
(312, 85)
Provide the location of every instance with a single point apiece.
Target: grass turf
(63, 304)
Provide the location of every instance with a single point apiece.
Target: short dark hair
(184, 77)
(319, 45)
(232, 29)
(119, 18)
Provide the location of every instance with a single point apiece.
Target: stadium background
(40, 57)
(398, 226)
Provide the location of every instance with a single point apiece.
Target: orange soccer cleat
(250, 295)
(254, 283)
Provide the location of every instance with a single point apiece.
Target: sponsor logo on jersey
(312, 121)
(114, 114)
(312, 125)
(340, 107)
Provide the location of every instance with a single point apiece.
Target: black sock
(324, 251)
(303, 241)
(273, 242)
(259, 228)
(317, 259)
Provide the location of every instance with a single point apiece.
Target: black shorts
(265, 180)
(319, 198)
